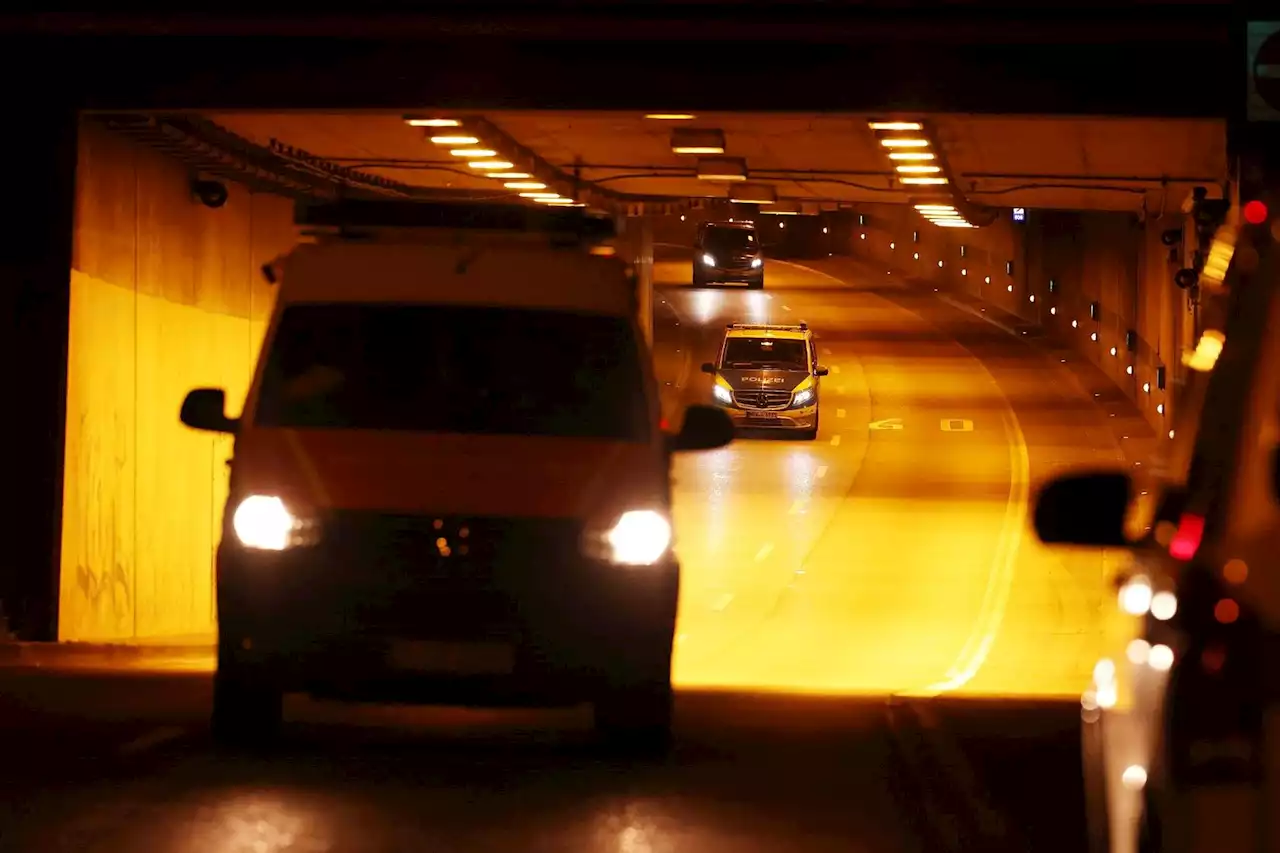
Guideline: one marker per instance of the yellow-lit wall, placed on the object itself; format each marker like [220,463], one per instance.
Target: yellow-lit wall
[166,295]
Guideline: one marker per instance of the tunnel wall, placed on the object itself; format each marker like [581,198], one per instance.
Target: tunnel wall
[1107,272]
[166,295]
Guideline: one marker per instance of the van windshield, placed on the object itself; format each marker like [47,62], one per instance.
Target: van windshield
[729,240]
[456,369]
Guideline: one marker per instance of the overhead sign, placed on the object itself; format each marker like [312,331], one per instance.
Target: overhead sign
[1263,49]
[1019,214]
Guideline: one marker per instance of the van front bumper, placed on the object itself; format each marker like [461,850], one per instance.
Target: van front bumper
[526,625]
[798,419]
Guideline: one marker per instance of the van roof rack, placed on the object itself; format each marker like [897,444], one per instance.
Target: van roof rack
[776,327]
[380,213]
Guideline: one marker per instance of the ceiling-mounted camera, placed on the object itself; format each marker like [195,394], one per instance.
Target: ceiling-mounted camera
[1186,278]
[210,193]
[1171,237]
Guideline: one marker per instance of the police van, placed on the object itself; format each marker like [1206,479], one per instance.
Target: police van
[450,482]
[767,377]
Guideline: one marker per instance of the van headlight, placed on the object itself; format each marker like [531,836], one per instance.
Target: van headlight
[264,523]
[723,394]
[801,398]
[709,260]
[639,537]
[756,263]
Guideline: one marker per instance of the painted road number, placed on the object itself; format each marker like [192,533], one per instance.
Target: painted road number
[956,425]
[887,423]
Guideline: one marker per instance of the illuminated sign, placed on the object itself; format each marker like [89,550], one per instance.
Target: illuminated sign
[1019,214]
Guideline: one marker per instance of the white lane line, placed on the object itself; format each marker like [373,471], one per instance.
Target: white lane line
[722,602]
[835,368]
[835,441]
[821,472]
[151,740]
[765,550]
[836,279]
[839,413]
[826,350]
[786,307]
[799,506]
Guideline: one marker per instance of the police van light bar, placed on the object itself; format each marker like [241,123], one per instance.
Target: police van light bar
[460,215]
[802,327]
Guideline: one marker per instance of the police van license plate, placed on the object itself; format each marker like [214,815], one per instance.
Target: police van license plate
[763,416]
[451,658]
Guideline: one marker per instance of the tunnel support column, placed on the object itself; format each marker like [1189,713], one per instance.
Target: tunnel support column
[637,233]
[35,302]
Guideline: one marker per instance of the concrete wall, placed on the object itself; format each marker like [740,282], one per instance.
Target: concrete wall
[1068,275]
[166,295]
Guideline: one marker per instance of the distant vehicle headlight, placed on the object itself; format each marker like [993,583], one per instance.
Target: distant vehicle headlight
[756,263]
[639,537]
[709,260]
[802,397]
[722,394]
[264,523]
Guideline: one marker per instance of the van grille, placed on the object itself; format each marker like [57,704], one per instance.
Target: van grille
[754,399]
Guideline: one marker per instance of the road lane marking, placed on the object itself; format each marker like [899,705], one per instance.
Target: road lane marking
[786,307]
[821,472]
[798,506]
[722,602]
[835,369]
[839,413]
[887,423]
[1000,579]
[835,441]
[814,271]
[764,551]
[826,350]
[151,740]
[956,425]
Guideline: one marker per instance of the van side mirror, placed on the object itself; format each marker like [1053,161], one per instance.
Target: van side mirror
[821,371]
[206,409]
[704,428]
[1084,509]
[708,367]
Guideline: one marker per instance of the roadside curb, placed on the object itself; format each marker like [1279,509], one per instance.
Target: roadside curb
[100,654]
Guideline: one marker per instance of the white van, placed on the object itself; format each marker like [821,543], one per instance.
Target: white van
[450,481]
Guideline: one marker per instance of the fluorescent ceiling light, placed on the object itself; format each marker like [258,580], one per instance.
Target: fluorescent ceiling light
[753,194]
[903,142]
[511,176]
[896,125]
[473,152]
[919,170]
[416,121]
[930,181]
[670,116]
[539,195]
[722,169]
[525,185]
[454,140]
[911,155]
[490,164]
[694,140]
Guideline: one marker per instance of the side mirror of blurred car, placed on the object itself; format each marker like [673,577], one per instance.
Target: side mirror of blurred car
[1084,509]
[704,428]
[821,371]
[708,367]
[206,409]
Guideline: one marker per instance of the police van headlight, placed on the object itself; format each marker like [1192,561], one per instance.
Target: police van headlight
[756,263]
[709,260]
[801,398]
[723,394]
[264,523]
[640,537]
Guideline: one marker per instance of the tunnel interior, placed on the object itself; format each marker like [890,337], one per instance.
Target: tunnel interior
[989,314]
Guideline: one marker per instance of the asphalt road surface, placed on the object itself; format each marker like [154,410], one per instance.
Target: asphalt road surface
[873,652]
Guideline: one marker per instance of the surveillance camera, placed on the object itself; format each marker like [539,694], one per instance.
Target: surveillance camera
[1186,278]
[210,193]
[1171,237]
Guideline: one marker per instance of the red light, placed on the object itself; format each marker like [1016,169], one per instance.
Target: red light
[1255,212]
[1187,540]
[1226,611]
[664,424]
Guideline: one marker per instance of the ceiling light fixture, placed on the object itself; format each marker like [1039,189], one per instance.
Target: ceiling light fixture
[473,152]
[753,194]
[919,170]
[896,125]
[919,181]
[510,176]
[722,169]
[489,165]
[670,116]
[904,142]
[455,140]
[694,140]
[525,185]
[418,121]
[911,155]
[539,195]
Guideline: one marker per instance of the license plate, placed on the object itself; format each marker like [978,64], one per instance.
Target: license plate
[451,658]
[763,416]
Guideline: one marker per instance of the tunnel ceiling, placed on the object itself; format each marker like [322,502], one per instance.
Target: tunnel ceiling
[1049,162]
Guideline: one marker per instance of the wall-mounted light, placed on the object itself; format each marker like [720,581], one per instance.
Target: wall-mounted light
[1053,286]
[1008,267]
[915,236]
[964,251]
